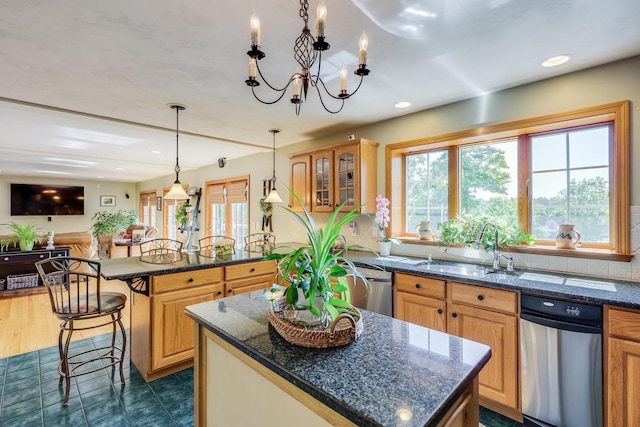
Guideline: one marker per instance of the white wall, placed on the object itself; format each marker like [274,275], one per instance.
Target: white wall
[63,223]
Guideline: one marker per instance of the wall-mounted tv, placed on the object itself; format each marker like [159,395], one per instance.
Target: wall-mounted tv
[30,199]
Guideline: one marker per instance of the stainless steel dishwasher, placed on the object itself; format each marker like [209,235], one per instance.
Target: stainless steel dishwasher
[378,297]
[561,363]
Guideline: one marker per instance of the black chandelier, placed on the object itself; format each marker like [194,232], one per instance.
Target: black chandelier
[306,50]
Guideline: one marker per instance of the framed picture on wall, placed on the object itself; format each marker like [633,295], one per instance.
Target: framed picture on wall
[159,203]
[107,200]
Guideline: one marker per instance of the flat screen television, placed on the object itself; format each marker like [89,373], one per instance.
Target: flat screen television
[48,200]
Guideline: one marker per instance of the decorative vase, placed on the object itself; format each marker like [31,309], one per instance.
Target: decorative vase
[567,237]
[385,248]
[305,316]
[424,231]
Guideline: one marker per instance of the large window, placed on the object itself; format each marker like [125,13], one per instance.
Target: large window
[537,173]
[227,209]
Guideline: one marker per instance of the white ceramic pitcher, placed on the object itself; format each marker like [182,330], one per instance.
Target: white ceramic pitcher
[567,237]
[424,231]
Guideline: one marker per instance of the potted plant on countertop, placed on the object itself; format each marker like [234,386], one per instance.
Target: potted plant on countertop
[317,296]
[382,222]
[25,236]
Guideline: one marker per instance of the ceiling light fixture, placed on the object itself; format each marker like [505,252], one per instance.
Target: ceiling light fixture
[306,50]
[402,104]
[273,196]
[177,191]
[556,60]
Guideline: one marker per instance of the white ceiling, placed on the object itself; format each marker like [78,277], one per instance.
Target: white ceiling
[108,69]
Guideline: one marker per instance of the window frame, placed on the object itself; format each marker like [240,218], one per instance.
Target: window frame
[148,199]
[616,113]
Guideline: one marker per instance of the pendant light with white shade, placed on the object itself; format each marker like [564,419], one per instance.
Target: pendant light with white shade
[273,196]
[177,191]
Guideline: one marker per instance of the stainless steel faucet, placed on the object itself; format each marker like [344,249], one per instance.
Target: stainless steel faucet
[496,247]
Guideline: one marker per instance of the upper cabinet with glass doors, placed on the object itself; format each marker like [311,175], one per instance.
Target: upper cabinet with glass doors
[342,173]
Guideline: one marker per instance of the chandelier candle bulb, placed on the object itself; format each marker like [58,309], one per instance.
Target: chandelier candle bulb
[343,79]
[296,87]
[252,68]
[322,15]
[255,30]
[364,44]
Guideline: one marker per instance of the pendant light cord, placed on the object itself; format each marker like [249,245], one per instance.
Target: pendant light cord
[274,132]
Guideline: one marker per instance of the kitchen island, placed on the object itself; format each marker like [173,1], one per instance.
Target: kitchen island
[163,285]
[395,374]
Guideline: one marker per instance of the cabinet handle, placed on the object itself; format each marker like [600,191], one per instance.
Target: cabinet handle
[6,258]
[439,311]
[190,279]
[454,314]
[417,285]
[230,291]
[252,270]
[41,256]
[219,293]
[480,297]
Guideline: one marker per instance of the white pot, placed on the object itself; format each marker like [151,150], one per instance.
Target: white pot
[385,248]
[305,316]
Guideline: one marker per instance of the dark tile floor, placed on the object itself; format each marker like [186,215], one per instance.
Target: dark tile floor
[30,396]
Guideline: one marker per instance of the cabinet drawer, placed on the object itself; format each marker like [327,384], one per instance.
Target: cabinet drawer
[248,285]
[624,323]
[185,279]
[249,269]
[479,296]
[424,286]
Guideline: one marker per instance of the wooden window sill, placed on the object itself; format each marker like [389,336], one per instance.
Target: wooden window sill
[589,253]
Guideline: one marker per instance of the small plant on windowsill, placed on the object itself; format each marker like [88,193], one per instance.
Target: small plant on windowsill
[464,231]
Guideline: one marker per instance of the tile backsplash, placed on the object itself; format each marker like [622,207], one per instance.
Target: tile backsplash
[585,267]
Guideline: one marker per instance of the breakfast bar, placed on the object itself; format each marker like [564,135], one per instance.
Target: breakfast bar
[395,374]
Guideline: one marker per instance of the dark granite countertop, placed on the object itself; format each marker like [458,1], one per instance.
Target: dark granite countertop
[147,265]
[393,365]
[543,283]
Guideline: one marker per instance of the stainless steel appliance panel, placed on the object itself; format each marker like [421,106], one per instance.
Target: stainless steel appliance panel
[378,298]
[561,367]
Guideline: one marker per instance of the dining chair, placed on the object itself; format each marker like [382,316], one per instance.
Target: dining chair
[161,246]
[211,240]
[260,242]
[73,285]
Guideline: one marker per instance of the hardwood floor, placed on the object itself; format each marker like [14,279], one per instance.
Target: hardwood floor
[27,323]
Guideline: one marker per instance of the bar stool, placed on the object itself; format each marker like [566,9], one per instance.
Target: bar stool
[73,285]
[161,246]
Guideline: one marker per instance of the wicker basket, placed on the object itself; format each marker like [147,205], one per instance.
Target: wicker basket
[344,330]
[19,281]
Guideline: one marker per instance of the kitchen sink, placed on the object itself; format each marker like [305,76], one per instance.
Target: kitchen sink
[461,270]
[502,275]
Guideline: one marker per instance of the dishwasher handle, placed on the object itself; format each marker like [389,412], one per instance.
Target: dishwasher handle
[559,324]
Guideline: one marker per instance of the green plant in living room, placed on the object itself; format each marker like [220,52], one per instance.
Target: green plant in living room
[25,236]
[182,214]
[108,223]
[319,271]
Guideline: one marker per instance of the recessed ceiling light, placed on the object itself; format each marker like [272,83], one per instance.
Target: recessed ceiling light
[100,176]
[156,152]
[118,169]
[402,104]
[555,60]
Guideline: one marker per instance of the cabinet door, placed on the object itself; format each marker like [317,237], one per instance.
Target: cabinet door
[499,378]
[423,311]
[346,184]
[322,181]
[623,384]
[300,182]
[172,336]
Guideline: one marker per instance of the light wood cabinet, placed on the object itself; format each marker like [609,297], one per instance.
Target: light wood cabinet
[248,277]
[162,332]
[622,369]
[485,315]
[300,181]
[341,173]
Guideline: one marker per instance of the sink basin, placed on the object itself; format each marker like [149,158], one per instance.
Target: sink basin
[502,275]
[461,270]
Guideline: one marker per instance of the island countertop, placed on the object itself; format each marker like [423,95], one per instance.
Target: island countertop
[393,366]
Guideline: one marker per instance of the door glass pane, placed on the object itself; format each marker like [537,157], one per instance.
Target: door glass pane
[427,189]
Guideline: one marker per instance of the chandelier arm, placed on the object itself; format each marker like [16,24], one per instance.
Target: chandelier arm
[284,88]
[322,100]
[282,92]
